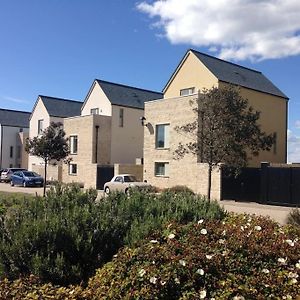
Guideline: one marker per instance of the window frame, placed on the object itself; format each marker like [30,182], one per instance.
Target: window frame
[166,139]
[40,128]
[94,111]
[166,169]
[71,171]
[72,138]
[190,91]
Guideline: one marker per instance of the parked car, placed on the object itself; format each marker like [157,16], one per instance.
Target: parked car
[7,173]
[123,183]
[26,178]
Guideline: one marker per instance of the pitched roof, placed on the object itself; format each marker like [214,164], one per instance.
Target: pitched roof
[239,75]
[63,108]
[124,95]
[14,118]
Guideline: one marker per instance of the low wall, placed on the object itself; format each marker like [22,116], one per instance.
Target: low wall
[53,172]
[136,170]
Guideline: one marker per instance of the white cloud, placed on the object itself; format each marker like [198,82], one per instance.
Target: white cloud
[235,29]
[293,147]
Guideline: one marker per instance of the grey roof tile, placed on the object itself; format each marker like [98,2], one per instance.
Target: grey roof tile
[124,95]
[14,118]
[58,107]
[239,75]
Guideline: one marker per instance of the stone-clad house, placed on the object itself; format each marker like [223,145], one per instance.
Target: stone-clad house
[108,131]
[14,128]
[195,72]
[46,110]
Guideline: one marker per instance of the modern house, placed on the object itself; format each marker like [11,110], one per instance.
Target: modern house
[195,72]
[14,128]
[108,131]
[46,110]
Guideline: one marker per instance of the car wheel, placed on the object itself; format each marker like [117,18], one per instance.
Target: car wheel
[24,184]
[107,190]
[11,183]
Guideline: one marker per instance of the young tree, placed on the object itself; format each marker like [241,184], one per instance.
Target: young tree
[225,130]
[51,146]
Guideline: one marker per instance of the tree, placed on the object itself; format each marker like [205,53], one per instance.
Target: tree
[51,146]
[225,130]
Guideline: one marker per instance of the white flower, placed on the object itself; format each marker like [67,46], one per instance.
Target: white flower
[182,262]
[258,228]
[202,294]
[297,265]
[292,275]
[238,298]
[177,280]
[153,280]
[290,242]
[142,272]
[200,272]
[221,241]
[294,280]
[242,228]
[163,283]
[203,231]
[266,271]
[250,219]
[200,221]
[224,232]
[209,256]
[154,241]
[153,262]
[171,236]
[116,255]
[282,260]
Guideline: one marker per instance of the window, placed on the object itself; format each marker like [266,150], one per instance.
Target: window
[162,136]
[188,91]
[95,111]
[21,130]
[275,143]
[40,126]
[73,169]
[11,152]
[161,169]
[119,179]
[19,152]
[10,165]
[73,144]
[121,117]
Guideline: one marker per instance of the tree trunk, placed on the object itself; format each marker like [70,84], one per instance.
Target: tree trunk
[45,179]
[209,182]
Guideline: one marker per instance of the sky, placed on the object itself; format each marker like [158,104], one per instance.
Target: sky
[58,47]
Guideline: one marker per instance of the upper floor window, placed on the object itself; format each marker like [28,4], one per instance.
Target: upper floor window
[40,126]
[11,152]
[188,91]
[121,117]
[73,144]
[162,136]
[95,111]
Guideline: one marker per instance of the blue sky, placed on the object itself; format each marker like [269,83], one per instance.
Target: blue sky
[57,47]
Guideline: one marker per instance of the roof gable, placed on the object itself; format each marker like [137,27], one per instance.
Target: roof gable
[238,75]
[14,118]
[124,95]
[59,107]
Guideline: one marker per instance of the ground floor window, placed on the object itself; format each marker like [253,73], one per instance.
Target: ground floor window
[161,169]
[73,169]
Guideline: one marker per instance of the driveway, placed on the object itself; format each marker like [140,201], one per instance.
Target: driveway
[6,187]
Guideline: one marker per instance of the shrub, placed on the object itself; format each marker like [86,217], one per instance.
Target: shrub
[294,217]
[180,189]
[244,257]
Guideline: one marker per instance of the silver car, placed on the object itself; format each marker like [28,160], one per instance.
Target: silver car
[7,173]
[123,183]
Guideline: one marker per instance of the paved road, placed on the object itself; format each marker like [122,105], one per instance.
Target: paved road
[6,187]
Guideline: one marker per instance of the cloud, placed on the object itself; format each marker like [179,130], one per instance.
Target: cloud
[14,100]
[233,29]
[293,147]
[297,124]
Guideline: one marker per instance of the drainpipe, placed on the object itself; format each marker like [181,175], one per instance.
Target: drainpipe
[96,146]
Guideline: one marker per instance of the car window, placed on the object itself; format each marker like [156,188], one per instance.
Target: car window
[18,173]
[29,174]
[118,179]
[129,179]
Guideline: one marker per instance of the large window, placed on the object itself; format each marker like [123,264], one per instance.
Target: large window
[188,91]
[72,169]
[40,126]
[73,144]
[161,169]
[162,136]
[95,111]
[121,117]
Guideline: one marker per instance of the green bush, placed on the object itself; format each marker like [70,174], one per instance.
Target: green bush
[180,189]
[243,257]
[294,217]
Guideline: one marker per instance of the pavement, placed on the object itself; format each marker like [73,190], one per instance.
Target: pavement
[6,187]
